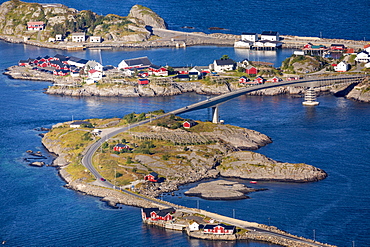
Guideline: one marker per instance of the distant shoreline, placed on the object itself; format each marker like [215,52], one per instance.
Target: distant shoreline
[179,39]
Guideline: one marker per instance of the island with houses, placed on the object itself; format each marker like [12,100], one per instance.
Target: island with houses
[60,27]
[168,152]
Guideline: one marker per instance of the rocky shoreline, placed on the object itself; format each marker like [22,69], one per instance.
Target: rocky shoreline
[221,190]
[170,88]
[234,163]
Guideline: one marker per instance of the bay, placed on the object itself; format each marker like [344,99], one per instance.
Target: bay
[36,210]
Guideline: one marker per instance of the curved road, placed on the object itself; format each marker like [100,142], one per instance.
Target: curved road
[87,158]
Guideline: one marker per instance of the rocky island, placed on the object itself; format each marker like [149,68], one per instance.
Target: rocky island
[176,155]
[221,190]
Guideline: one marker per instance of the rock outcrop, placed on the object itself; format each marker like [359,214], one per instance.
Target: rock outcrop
[220,190]
[361,92]
[148,16]
[255,166]
[59,19]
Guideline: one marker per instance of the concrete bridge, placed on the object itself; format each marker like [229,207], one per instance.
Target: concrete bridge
[310,82]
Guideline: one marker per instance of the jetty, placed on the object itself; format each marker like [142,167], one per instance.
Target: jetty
[201,224]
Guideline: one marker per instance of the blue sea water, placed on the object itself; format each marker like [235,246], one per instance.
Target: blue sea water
[36,210]
[328,19]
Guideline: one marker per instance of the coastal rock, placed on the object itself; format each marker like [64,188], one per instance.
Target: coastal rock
[220,190]
[148,16]
[37,163]
[255,166]
[361,92]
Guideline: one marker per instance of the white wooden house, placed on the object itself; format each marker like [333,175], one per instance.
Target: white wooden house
[95,39]
[140,62]
[91,64]
[363,57]
[194,226]
[95,74]
[341,67]
[222,65]
[249,37]
[78,37]
[270,35]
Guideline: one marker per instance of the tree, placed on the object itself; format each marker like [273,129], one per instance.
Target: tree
[225,57]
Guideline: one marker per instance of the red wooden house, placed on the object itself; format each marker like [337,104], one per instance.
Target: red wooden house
[243,79]
[337,47]
[152,177]
[250,70]
[23,62]
[188,124]
[43,64]
[35,25]
[292,78]
[143,81]
[154,214]
[259,80]
[219,229]
[60,72]
[275,79]
[119,147]
[157,70]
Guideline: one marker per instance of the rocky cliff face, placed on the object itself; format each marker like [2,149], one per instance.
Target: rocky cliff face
[60,19]
[361,92]
[148,16]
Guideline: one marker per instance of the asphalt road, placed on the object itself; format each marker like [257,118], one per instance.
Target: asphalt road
[87,158]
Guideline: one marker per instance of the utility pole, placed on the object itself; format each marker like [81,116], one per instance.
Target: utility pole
[115,176]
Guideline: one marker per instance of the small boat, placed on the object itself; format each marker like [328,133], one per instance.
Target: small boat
[253,182]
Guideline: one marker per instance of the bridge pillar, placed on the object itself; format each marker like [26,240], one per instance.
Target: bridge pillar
[215,116]
[310,98]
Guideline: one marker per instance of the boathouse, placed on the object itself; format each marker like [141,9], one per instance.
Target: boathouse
[219,229]
[156,214]
[249,37]
[270,35]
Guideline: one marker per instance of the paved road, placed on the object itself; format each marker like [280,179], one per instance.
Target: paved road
[87,158]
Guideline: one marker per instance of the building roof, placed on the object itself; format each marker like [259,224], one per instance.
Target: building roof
[154,174]
[269,33]
[78,34]
[57,62]
[222,225]
[225,62]
[78,60]
[35,23]
[140,61]
[61,57]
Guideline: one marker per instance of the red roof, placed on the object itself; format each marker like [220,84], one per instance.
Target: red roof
[92,71]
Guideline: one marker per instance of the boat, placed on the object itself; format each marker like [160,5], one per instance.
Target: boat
[253,182]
